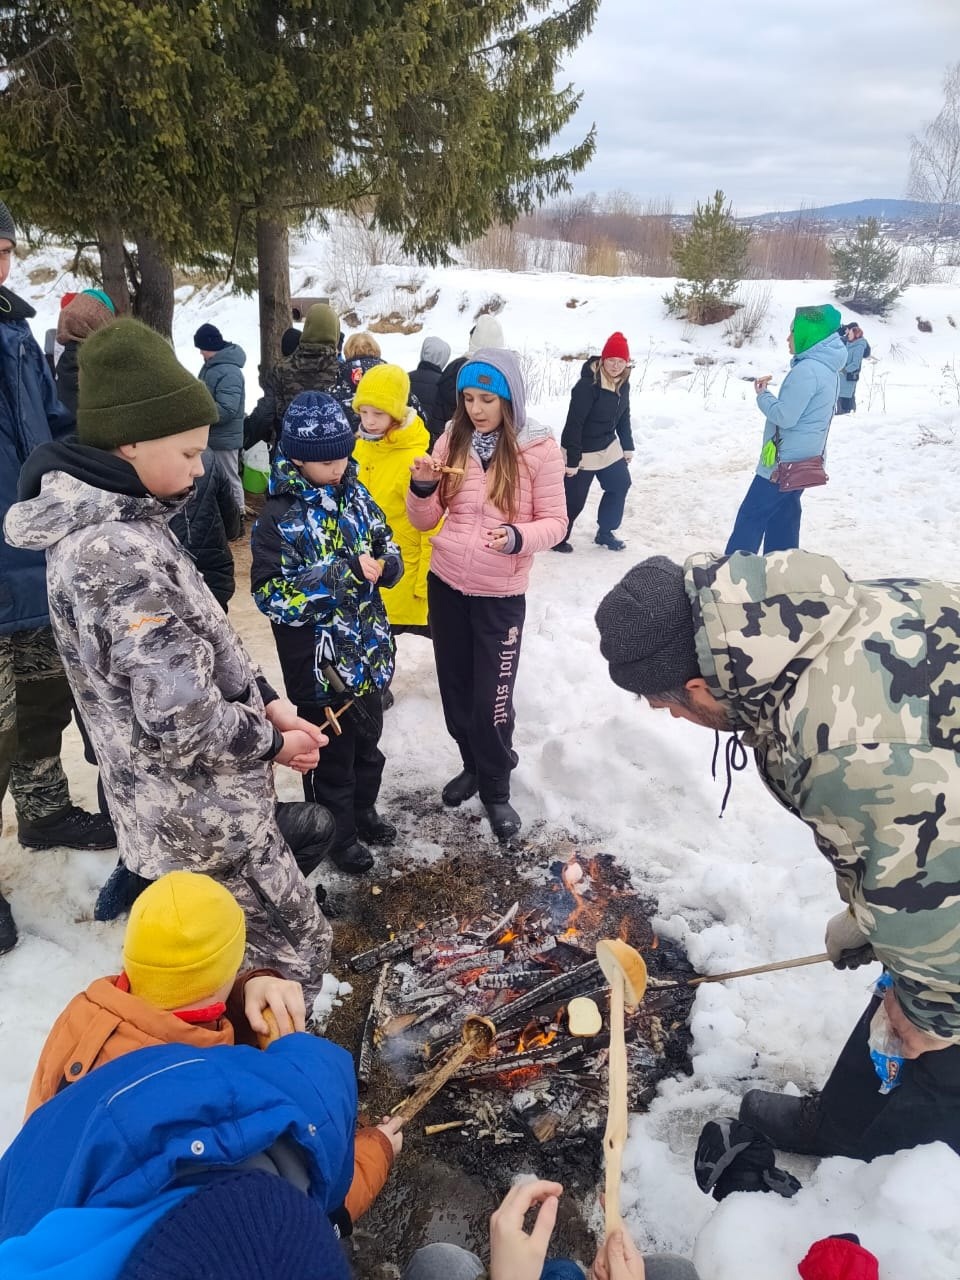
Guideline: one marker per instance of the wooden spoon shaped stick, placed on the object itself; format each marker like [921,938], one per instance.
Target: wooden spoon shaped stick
[478,1036]
[624,969]
[333,717]
[273,1030]
[821,958]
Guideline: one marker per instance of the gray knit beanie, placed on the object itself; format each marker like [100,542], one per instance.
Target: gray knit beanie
[646,629]
[8,228]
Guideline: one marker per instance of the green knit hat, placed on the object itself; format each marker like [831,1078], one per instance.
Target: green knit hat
[322,326]
[133,388]
[812,324]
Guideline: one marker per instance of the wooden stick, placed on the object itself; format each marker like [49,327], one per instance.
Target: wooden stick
[365,1058]
[615,1135]
[273,1030]
[743,973]
[430,1129]
[478,1035]
[452,471]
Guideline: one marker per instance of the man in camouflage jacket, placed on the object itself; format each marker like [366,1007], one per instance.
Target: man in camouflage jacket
[184,725]
[849,694]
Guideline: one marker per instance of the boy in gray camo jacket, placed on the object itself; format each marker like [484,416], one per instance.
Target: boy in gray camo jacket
[184,725]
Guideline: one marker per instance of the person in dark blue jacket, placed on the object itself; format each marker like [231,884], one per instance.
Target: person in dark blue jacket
[35,701]
[796,429]
[96,1170]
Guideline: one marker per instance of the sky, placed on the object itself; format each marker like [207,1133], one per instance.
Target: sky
[781,105]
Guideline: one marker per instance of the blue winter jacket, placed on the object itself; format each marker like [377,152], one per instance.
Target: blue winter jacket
[97,1165]
[801,413]
[857,350]
[30,414]
[222,375]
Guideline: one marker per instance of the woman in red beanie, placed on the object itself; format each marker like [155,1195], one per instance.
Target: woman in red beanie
[597,441]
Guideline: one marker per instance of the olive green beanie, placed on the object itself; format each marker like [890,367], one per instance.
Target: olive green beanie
[321,326]
[133,388]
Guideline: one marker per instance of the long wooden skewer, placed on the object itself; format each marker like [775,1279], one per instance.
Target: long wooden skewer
[742,973]
[478,1036]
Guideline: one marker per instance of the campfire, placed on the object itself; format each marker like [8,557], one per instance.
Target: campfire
[540,1072]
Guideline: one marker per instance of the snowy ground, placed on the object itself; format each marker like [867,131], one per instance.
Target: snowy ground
[744,890]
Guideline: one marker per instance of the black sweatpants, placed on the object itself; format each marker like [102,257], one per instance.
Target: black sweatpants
[476,643]
[857,1120]
[347,779]
[614,481]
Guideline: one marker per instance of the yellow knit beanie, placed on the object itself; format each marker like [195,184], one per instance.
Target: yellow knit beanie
[385,387]
[185,940]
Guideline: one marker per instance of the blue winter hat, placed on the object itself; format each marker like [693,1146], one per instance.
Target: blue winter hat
[315,429]
[483,376]
[240,1226]
[209,338]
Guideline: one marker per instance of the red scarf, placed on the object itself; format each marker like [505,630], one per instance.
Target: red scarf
[195,1017]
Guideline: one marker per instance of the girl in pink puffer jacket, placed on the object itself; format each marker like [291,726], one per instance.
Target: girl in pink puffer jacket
[503,500]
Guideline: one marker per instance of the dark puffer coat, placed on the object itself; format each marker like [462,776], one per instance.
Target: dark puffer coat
[596,416]
[206,525]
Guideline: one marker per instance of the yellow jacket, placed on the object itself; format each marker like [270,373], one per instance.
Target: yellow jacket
[384,467]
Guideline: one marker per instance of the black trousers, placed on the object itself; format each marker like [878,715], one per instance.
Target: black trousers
[857,1120]
[614,481]
[476,643]
[846,404]
[347,779]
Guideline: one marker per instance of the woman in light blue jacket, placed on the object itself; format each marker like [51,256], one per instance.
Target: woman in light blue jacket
[858,349]
[797,423]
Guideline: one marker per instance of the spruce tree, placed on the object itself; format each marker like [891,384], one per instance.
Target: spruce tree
[865,264]
[711,259]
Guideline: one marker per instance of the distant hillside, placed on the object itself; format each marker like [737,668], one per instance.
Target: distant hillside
[854,210]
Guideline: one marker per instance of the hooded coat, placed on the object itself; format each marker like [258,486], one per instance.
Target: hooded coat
[205,526]
[487,332]
[460,558]
[222,375]
[96,1166]
[383,467]
[857,351]
[847,691]
[599,414]
[800,415]
[425,384]
[307,580]
[172,701]
[30,415]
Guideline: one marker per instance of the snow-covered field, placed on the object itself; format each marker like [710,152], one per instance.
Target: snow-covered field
[741,891]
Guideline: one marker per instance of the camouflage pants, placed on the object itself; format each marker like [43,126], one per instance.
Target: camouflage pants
[286,929]
[35,708]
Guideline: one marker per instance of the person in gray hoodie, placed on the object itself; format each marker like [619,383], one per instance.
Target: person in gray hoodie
[222,375]
[796,428]
[425,384]
[487,332]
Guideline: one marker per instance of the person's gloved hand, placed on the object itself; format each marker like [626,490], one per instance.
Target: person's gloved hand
[847,945]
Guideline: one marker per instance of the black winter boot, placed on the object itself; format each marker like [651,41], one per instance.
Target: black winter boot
[72,828]
[609,541]
[504,820]
[119,893]
[370,826]
[460,788]
[8,930]
[353,858]
[309,830]
[788,1123]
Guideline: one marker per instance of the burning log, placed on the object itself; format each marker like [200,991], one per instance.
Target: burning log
[502,925]
[403,942]
[508,980]
[556,988]
[531,950]
[367,1045]
[531,1058]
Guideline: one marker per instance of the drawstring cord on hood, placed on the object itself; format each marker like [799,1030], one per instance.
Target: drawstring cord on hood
[736,760]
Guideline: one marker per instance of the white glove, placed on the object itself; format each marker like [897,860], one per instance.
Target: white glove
[847,944]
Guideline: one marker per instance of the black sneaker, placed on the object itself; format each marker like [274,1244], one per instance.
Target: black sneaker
[459,789]
[8,929]
[119,894]
[563,547]
[610,542]
[370,826]
[353,858]
[72,828]
[788,1123]
[504,820]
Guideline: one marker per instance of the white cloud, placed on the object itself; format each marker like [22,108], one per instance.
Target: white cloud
[779,107]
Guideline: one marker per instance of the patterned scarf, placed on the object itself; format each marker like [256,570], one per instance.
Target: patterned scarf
[485,445]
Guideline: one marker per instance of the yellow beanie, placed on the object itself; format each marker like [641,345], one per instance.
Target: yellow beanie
[185,940]
[385,387]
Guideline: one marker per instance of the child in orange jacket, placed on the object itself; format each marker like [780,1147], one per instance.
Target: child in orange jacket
[181,984]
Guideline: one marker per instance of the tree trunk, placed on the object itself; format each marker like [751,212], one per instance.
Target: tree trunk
[154,302]
[113,267]
[273,279]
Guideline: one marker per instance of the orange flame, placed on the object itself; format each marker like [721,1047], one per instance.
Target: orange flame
[536,1036]
[655,943]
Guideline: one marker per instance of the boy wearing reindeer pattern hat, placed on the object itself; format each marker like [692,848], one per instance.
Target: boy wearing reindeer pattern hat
[183,723]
